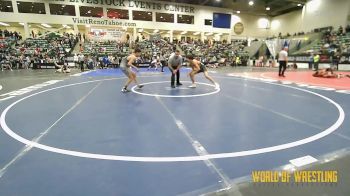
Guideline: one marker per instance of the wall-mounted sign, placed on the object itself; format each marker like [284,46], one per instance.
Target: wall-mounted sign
[108,34]
[136,4]
[238,28]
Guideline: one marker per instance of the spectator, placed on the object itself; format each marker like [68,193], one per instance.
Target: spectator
[105,61]
[76,60]
[311,61]
[280,35]
[347,29]
[316,61]
[340,30]
[81,62]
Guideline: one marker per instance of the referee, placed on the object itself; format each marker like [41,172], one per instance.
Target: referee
[175,64]
[283,60]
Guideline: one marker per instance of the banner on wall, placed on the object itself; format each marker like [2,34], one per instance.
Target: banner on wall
[277,45]
[108,34]
[271,46]
[180,8]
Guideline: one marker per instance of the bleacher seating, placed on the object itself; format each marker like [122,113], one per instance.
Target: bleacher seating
[327,45]
[7,44]
[52,44]
[105,47]
[223,50]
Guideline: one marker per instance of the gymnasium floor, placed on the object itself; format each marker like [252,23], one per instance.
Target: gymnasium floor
[79,135]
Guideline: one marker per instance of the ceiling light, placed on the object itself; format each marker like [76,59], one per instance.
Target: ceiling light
[21,23]
[299,5]
[46,25]
[4,24]
[251,3]
[268,8]
[218,0]
[238,12]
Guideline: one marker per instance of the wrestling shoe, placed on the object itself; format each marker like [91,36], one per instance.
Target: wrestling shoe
[217,86]
[125,90]
[193,86]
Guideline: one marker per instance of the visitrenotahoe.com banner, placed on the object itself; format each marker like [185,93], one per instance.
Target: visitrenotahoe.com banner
[103,22]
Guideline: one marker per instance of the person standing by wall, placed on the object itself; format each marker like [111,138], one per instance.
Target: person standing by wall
[337,60]
[81,62]
[316,61]
[76,60]
[162,61]
[283,60]
[311,61]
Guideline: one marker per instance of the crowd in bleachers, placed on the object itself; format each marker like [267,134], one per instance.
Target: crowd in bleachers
[106,54]
[216,53]
[50,48]
[100,48]
[42,48]
[287,35]
[154,50]
[55,48]
[329,30]
[9,34]
[333,43]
